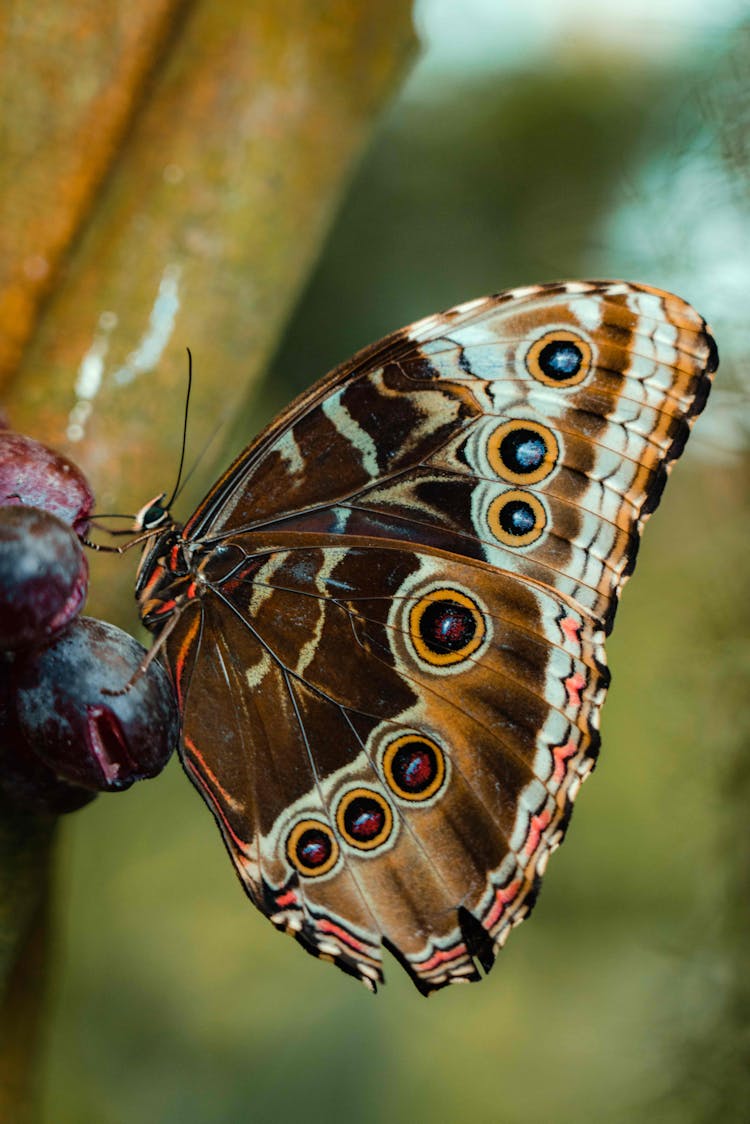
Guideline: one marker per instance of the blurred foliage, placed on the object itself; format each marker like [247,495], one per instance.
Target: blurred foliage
[626,994]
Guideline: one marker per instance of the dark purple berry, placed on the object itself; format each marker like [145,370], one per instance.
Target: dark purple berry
[88,710]
[43,576]
[35,476]
[24,779]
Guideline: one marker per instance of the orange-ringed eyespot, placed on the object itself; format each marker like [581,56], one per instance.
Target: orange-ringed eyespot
[446,627]
[523,452]
[312,848]
[559,358]
[364,818]
[414,767]
[516,518]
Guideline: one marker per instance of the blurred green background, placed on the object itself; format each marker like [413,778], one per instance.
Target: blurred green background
[530,143]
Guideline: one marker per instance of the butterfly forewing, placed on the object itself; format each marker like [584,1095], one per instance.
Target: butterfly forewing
[388,643]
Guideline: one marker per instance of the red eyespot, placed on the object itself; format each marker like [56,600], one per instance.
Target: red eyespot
[414,767]
[312,848]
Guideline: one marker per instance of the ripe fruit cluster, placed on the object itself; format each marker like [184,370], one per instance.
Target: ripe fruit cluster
[79,712]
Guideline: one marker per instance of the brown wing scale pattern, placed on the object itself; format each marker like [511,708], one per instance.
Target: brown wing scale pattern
[386,620]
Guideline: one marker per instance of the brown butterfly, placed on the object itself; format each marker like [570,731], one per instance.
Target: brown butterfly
[385,622]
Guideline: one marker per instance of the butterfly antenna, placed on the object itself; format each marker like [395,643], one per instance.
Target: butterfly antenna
[176,488]
[200,456]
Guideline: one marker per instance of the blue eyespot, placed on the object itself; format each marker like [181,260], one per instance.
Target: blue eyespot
[523,451]
[517,518]
[560,359]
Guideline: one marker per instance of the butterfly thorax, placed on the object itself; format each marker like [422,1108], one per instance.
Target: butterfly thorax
[164,574]
[176,570]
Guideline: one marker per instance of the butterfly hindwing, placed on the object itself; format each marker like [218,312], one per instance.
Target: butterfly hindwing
[386,620]
[456,776]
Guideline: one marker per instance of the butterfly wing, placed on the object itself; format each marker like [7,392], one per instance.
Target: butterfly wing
[368,790]
[433,409]
[390,662]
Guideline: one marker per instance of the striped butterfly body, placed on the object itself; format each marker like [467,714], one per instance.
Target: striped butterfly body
[385,623]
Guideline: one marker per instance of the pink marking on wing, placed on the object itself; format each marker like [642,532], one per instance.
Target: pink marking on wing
[347,938]
[572,629]
[502,898]
[289,898]
[538,825]
[561,754]
[442,956]
[573,685]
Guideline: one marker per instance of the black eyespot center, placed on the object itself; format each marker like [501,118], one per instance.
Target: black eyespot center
[560,359]
[311,848]
[414,767]
[314,847]
[447,626]
[364,819]
[517,517]
[522,451]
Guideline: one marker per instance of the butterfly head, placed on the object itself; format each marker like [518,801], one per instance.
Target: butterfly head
[153,515]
